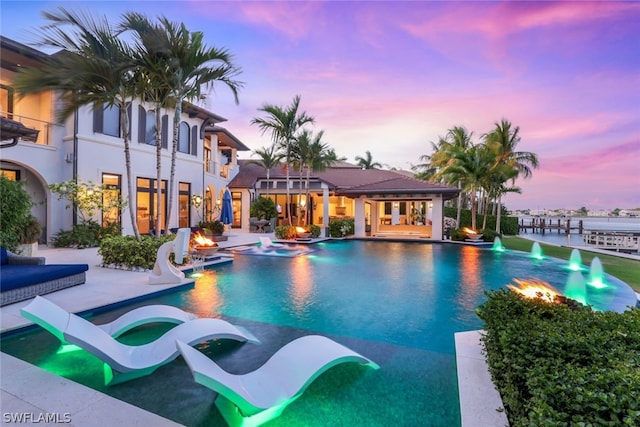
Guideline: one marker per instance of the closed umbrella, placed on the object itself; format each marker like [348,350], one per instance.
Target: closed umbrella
[226,214]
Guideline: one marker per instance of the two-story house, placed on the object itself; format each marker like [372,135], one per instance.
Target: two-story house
[88,147]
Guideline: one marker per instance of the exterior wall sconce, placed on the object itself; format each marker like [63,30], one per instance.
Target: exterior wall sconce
[196,201]
[396,204]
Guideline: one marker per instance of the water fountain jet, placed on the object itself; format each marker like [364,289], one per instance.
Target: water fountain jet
[497,245]
[575,260]
[576,287]
[536,251]
[596,274]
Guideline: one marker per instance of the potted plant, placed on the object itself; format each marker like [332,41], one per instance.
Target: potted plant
[263,208]
[214,230]
[30,235]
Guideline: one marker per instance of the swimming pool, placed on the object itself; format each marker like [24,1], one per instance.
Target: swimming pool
[397,303]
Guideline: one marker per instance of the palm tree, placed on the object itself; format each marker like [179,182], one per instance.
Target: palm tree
[456,141]
[313,155]
[284,124]
[268,158]
[94,68]
[470,167]
[367,162]
[505,140]
[186,65]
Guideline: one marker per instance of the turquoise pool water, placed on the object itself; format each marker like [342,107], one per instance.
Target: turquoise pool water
[397,303]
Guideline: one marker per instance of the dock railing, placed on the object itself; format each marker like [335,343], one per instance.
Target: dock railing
[621,241]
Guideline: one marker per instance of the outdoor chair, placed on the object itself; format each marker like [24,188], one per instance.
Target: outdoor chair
[259,396]
[125,362]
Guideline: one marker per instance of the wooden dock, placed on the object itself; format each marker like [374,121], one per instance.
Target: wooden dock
[543,225]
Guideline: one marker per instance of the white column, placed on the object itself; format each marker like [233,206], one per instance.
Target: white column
[325,212]
[438,218]
[360,221]
[395,213]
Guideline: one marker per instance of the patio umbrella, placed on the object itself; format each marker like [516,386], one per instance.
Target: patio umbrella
[226,214]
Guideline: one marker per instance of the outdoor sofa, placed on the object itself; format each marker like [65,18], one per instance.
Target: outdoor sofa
[23,277]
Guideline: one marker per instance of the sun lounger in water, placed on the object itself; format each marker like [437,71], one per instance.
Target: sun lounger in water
[125,362]
[267,244]
[54,318]
[261,395]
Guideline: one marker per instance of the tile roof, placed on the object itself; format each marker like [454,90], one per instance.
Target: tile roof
[348,179]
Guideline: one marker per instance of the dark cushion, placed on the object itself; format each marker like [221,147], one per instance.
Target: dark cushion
[18,276]
[4,257]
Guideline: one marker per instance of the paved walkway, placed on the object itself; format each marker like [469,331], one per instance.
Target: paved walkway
[30,395]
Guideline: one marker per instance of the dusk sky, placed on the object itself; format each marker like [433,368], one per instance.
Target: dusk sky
[391,77]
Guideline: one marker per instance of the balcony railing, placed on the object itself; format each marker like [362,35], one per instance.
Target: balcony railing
[43,128]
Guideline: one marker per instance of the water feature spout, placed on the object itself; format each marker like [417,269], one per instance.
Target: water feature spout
[497,245]
[596,274]
[536,251]
[575,260]
[576,287]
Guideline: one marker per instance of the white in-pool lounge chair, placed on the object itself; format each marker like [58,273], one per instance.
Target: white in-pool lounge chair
[54,318]
[125,362]
[266,243]
[261,395]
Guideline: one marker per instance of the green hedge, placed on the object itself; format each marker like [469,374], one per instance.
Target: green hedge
[508,224]
[562,364]
[288,232]
[342,228]
[127,252]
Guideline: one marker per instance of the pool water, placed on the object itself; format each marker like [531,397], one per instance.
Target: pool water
[397,303]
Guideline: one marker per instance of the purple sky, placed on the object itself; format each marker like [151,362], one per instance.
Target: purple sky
[391,77]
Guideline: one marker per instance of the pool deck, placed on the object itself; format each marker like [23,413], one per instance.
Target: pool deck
[30,392]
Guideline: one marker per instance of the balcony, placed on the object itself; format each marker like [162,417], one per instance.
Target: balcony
[25,129]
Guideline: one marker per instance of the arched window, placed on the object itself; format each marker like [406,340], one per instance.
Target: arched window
[183,138]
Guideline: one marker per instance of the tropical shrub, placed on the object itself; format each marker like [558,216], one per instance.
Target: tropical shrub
[314,230]
[558,364]
[130,253]
[342,227]
[15,213]
[508,224]
[87,234]
[212,227]
[263,208]
[488,234]
[285,232]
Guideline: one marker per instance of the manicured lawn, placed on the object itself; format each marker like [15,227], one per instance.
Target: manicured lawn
[627,270]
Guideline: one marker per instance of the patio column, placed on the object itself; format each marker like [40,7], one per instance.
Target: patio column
[325,212]
[360,219]
[438,217]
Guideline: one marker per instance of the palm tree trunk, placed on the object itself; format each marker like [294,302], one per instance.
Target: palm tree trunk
[459,205]
[288,207]
[124,119]
[473,209]
[172,173]
[499,204]
[158,170]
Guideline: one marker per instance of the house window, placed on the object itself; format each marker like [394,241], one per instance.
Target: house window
[13,175]
[106,119]
[208,164]
[236,203]
[183,138]
[110,197]
[184,204]
[6,101]
[146,206]
[146,126]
